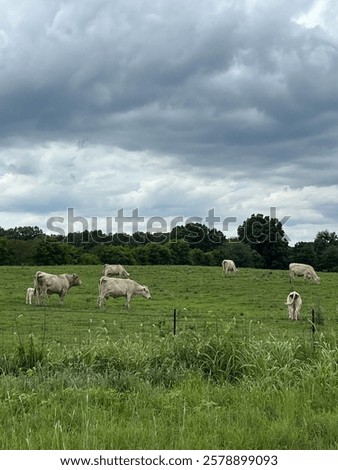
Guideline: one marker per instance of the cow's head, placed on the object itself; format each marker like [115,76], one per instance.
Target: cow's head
[76,281]
[145,292]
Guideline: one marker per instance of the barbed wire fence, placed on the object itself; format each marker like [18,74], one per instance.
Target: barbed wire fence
[74,332]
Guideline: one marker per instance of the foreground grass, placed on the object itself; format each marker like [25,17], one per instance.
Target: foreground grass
[184,392]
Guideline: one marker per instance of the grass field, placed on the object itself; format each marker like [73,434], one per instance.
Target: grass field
[238,374]
[202,297]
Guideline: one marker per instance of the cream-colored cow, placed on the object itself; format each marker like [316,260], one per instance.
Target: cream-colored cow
[228,266]
[294,303]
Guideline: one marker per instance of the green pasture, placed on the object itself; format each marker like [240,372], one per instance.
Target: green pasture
[252,301]
[238,374]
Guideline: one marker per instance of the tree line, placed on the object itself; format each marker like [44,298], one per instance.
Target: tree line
[261,243]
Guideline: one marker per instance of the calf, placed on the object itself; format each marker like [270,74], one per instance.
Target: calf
[30,294]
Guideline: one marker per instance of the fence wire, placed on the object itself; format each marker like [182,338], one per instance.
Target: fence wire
[75,330]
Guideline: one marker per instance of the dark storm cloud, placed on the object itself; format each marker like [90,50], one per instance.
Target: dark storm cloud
[182,79]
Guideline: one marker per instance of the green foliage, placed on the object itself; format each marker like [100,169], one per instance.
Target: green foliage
[266,236]
[180,251]
[112,254]
[328,259]
[6,253]
[23,233]
[198,236]
[242,254]
[261,244]
[323,240]
[304,252]
[50,251]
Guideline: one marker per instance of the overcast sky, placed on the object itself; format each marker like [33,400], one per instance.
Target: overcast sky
[172,107]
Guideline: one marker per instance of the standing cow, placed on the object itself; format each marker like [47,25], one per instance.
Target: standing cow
[114,270]
[294,304]
[113,287]
[228,266]
[47,284]
[305,270]
[30,294]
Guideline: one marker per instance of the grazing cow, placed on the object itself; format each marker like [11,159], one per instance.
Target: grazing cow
[30,294]
[48,284]
[228,266]
[114,270]
[294,303]
[305,270]
[113,287]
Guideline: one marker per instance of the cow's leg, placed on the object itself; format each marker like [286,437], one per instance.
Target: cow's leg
[289,311]
[101,301]
[41,295]
[294,313]
[128,296]
[62,295]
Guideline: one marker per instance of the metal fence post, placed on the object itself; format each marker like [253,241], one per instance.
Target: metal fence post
[313,321]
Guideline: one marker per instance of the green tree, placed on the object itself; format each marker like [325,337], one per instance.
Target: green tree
[158,254]
[24,233]
[303,252]
[112,254]
[23,251]
[180,252]
[323,240]
[241,253]
[199,257]
[51,252]
[198,236]
[89,259]
[266,236]
[6,253]
[328,259]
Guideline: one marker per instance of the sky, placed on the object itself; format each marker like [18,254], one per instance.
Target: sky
[132,115]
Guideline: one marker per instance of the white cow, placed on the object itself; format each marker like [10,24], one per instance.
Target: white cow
[48,284]
[30,294]
[294,303]
[228,266]
[113,287]
[305,270]
[114,270]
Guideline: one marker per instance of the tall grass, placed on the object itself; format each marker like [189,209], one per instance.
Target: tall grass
[191,391]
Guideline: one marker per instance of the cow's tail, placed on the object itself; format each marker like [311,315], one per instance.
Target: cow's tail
[38,279]
[102,280]
[292,298]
